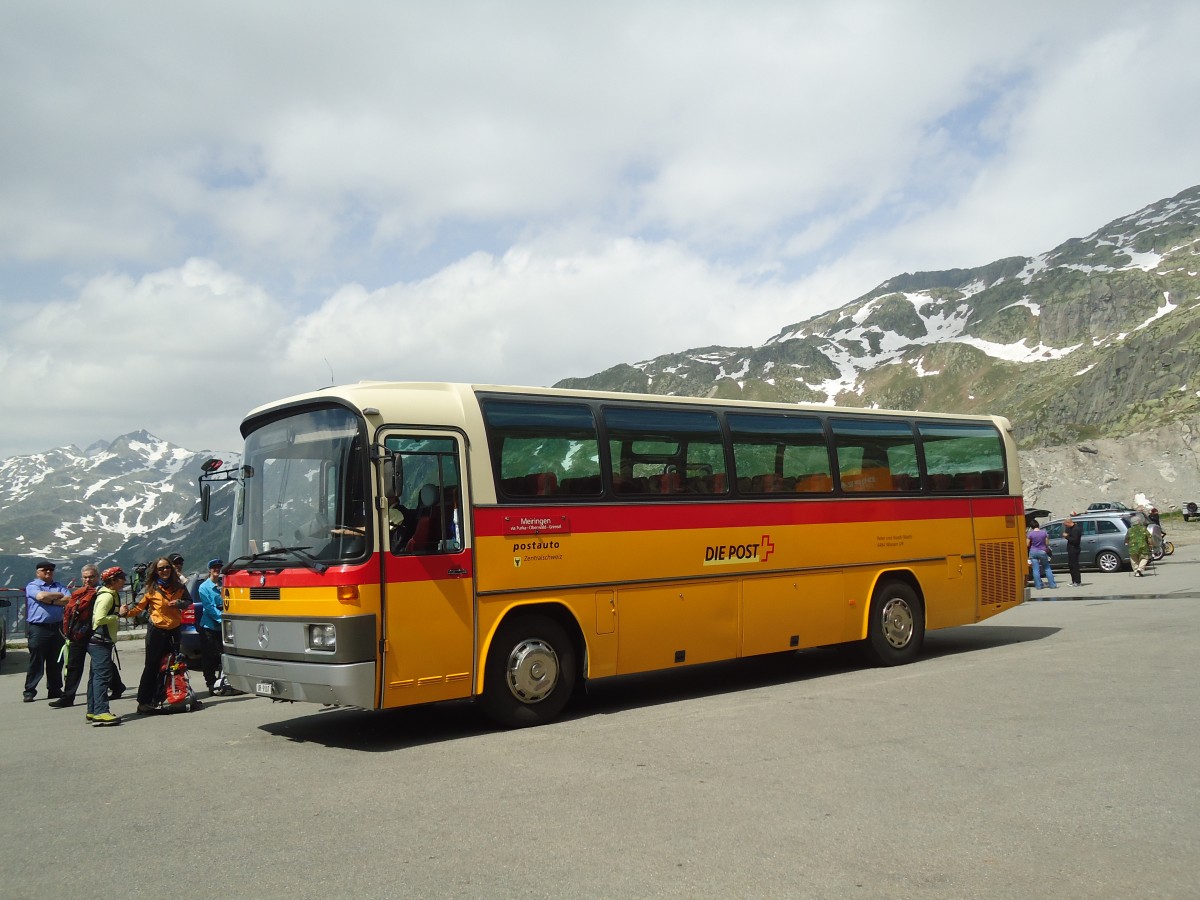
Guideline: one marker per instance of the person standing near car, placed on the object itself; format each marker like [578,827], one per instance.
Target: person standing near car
[44,602]
[101,647]
[1039,556]
[166,597]
[210,622]
[1137,538]
[1073,532]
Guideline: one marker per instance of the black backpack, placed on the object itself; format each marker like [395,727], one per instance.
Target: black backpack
[77,616]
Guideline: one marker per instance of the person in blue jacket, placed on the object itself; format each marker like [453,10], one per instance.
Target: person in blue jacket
[210,622]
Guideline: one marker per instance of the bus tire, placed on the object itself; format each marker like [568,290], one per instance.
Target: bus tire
[530,672]
[896,626]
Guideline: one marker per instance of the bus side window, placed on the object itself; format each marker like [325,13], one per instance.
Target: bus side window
[775,454]
[867,449]
[963,457]
[542,448]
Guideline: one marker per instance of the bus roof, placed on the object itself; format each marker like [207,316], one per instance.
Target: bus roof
[441,401]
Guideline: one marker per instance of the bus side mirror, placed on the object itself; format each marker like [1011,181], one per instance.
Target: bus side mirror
[393,475]
[205,502]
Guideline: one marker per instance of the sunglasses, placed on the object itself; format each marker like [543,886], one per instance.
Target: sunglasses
[166,568]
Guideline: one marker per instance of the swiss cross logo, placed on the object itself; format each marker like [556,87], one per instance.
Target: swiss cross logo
[766,548]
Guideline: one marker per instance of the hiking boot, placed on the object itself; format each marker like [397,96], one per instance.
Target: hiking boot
[106,719]
[28,698]
[146,708]
[62,702]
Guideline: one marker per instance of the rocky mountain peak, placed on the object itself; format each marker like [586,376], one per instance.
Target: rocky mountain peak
[1092,338]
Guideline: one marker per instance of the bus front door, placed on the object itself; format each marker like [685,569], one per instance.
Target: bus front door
[429,625]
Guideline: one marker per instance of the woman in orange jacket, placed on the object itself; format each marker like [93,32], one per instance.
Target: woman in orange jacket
[167,597]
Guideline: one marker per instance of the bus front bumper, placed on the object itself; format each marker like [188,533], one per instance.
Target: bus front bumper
[346,684]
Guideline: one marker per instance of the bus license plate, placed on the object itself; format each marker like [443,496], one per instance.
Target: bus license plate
[263,687]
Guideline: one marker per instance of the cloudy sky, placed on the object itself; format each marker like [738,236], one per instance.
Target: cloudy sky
[205,207]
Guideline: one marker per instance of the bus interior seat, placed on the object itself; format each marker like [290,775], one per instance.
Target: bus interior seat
[708,484]
[993,479]
[535,484]
[666,483]
[581,486]
[426,533]
[768,483]
[971,481]
[816,483]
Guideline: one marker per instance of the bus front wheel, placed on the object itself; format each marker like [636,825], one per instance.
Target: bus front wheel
[530,672]
[896,627]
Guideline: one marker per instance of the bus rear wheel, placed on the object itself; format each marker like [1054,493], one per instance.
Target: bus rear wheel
[530,672]
[896,627]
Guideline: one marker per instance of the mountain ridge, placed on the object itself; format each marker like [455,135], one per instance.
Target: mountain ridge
[1114,315]
[116,502]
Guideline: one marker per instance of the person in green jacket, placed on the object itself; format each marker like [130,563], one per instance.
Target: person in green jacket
[1138,539]
[100,648]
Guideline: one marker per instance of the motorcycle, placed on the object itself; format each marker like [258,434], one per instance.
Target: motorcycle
[1159,545]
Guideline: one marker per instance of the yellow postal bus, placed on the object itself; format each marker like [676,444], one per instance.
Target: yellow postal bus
[396,544]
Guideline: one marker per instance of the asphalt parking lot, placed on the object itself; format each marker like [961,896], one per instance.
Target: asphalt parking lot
[1048,752]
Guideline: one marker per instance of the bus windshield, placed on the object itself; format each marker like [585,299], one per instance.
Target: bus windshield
[306,497]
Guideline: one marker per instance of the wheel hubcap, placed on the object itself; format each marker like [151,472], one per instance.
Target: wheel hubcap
[532,670]
[897,623]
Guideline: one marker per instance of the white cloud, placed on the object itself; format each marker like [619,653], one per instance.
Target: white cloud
[521,194]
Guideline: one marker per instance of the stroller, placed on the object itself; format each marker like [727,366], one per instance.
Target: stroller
[175,692]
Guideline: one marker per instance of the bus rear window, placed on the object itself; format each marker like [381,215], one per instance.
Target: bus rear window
[963,457]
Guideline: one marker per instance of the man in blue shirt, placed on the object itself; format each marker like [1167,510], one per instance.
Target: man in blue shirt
[44,602]
[209,597]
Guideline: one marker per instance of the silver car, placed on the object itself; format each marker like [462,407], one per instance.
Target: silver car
[1102,546]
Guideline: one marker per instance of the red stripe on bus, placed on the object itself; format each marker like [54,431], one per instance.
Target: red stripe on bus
[497,521]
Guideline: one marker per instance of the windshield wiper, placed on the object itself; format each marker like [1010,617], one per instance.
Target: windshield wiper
[299,553]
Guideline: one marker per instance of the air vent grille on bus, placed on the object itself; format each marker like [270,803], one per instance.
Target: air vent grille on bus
[264,593]
[997,572]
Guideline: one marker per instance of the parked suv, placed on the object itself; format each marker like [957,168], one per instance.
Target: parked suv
[1103,543]
[1190,511]
[1109,506]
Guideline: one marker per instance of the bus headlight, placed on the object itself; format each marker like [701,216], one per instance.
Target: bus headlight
[226,632]
[322,637]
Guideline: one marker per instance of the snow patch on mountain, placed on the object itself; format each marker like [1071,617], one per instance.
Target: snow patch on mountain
[68,503]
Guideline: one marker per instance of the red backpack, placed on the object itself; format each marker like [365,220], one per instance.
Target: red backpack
[77,616]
